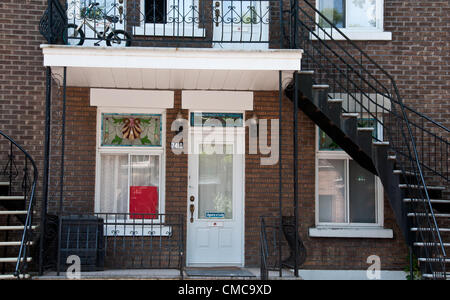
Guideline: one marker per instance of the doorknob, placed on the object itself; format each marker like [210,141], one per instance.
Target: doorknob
[217,13]
[192,209]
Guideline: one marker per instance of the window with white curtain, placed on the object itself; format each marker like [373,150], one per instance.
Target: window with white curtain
[353,17]
[347,194]
[130,179]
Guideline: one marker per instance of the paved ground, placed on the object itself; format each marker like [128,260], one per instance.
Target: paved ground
[162,274]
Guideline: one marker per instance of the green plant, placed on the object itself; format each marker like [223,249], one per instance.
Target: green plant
[416,270]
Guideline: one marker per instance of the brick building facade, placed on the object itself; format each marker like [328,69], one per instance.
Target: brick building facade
[417,57]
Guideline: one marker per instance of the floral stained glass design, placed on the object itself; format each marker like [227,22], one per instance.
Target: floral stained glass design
[131,130]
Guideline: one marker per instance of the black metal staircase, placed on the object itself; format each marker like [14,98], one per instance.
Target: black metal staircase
[17,190]
[341,85]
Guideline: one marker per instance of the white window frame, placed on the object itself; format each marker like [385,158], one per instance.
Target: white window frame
[357,34]
[168,29]
[348,230]
[143,226]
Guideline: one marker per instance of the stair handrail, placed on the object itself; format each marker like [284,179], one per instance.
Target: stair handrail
[28,226]
[394,97]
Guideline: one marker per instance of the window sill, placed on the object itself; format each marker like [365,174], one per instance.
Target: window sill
[358,232]
[354,35]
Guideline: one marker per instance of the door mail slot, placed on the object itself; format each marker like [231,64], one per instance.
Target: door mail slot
[216,224]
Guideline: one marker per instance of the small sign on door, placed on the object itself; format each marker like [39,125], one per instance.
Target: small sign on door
[215,215]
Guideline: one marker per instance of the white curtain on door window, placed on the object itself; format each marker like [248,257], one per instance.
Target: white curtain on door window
[215,188]
[114,183]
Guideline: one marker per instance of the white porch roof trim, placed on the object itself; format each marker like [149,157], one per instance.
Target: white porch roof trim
[132,98]
[217,100]
[172,68]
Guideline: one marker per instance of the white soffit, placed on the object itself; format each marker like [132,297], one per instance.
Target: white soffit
[172,68]
[217,100]
[132,98]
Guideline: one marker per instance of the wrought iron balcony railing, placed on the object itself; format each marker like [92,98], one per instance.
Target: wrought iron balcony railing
[176,23]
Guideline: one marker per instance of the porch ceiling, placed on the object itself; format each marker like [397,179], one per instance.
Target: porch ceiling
[171,68]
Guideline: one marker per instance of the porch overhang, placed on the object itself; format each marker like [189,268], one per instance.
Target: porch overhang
[172,68]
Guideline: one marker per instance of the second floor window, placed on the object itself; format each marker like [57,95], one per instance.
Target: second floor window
[352,14]
[156,11]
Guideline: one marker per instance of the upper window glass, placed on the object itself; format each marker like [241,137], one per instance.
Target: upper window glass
[350,13]
[131,130]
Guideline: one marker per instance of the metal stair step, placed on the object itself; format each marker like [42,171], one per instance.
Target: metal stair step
[432,200]
[430,276]
[430,229]
[421,244]
[12,198]
[437,215]
[8,244]
[4,183]
[335,100]
[13,259]
[350,115]
[13,212]
[365,129]
[414,186]
[320,86]
[381,143]
[6,228]
[306,72]
[403,172]
[446,260]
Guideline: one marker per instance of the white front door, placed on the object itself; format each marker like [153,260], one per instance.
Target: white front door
[241,24]
[215,205]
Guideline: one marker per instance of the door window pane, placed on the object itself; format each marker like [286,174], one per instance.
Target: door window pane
[333,10]
[362,194]
[332,203]
[114,183]
[215,186]
[144,186]
[362,13]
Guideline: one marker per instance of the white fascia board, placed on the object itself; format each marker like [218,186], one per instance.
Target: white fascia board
[217,100]
[171,58]
[132,98]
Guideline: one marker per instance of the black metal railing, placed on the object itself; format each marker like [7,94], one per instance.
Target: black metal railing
[19,164]
[271,246]
[419,144]
[111,241]
[181,23]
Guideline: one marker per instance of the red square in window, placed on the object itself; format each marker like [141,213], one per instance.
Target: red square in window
[143,200]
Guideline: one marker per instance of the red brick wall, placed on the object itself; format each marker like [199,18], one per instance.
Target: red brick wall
[261,185]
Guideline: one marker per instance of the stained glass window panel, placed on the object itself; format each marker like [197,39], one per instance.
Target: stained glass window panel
[131,130]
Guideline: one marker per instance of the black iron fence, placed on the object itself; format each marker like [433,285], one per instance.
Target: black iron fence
[184,23]
[112,241]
